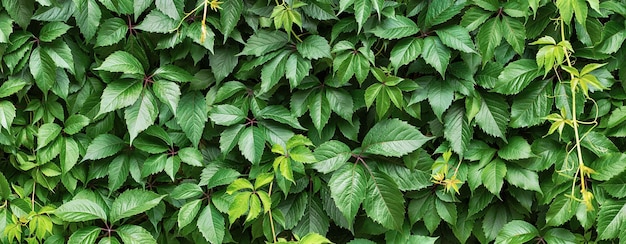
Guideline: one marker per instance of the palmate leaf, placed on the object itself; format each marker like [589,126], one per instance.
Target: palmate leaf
[384,202]
[611,218]
[132,202]
[393,138]
[192,116]
[493,116]
[348,188]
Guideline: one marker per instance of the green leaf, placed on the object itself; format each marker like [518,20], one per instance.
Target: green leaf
[103,146]
[119,94]
[229,16]
[561,210]
[241,206]
[516,76]
[282,115]
[85,235]
[220,177]
[6,27]
[157,22]
[69,155]
[112,31]
[172,73]
[188,212]
[384,202]
[488,38]
[442,11]
[43,69]
[517,231]
[226,114]
[492,176]
[493,116]
[314,47]
[440,96]
[133,234]
[314,220]
[211,224]
[53,30]
[133,202]
[11,86]
[170,7]
[273,71]
[516,148]
[516,33]
[191,156]
[331,155]
[252,144]
[296,69]
[341,103]
[447,211]
[405,51]
[5,190]
[141,115]
[611,218]
[185,191]
[362,12]
[7,114]
[167,92]
[20,11]
[559,235]
[348,188]
[75,123]
[118,171]
[393,138]
[192,116]
[223,61]
[47,133]
[395,28]
[617,117]
[319,109]
[263,42]
[531,106]
[436,54]
[87,15]
[80,210]
[616,187]
[407,179]
[293,209]
[122,61]
[457,129]
[523,178]
[608,166]
[456,37]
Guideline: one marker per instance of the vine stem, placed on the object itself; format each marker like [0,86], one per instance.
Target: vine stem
[271,218]
[579,153]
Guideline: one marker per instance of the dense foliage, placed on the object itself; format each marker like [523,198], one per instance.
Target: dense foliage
[361,121]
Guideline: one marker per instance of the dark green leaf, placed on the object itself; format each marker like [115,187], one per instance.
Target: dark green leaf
[608,166]
[561,210]
[157,22]
[489,37]
[133,234]
[192,116]
[384,202]
[252,143]
[348,188]
[456,37]
[395,28]
[112,31]
[314,47]
[141,115]
[516,76]
[53,30]
[263,42]
[80,210]
[405,51]
[393,138]
[436,54]
[226,114]
[103,146]
[43,69]
[87,15]
[493,176]
[442,11]
[517,231]
[611,218]
[493,116]
[118,172]
[133,202]
[122,61]
[457,129]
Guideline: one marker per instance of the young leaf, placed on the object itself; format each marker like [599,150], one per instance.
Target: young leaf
[103,146]
[132,202]
[192,116]
[80,210]
[133,234]
[122,61]
[348,188]
[211,224]
[516,231]
[393,138]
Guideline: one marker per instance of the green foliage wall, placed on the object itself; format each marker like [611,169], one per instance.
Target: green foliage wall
[361,121]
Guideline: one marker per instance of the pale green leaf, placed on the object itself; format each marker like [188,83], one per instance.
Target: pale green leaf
[362,12]
[11,86]
[69,155]
[6,28]
[188,212]
[87,15]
